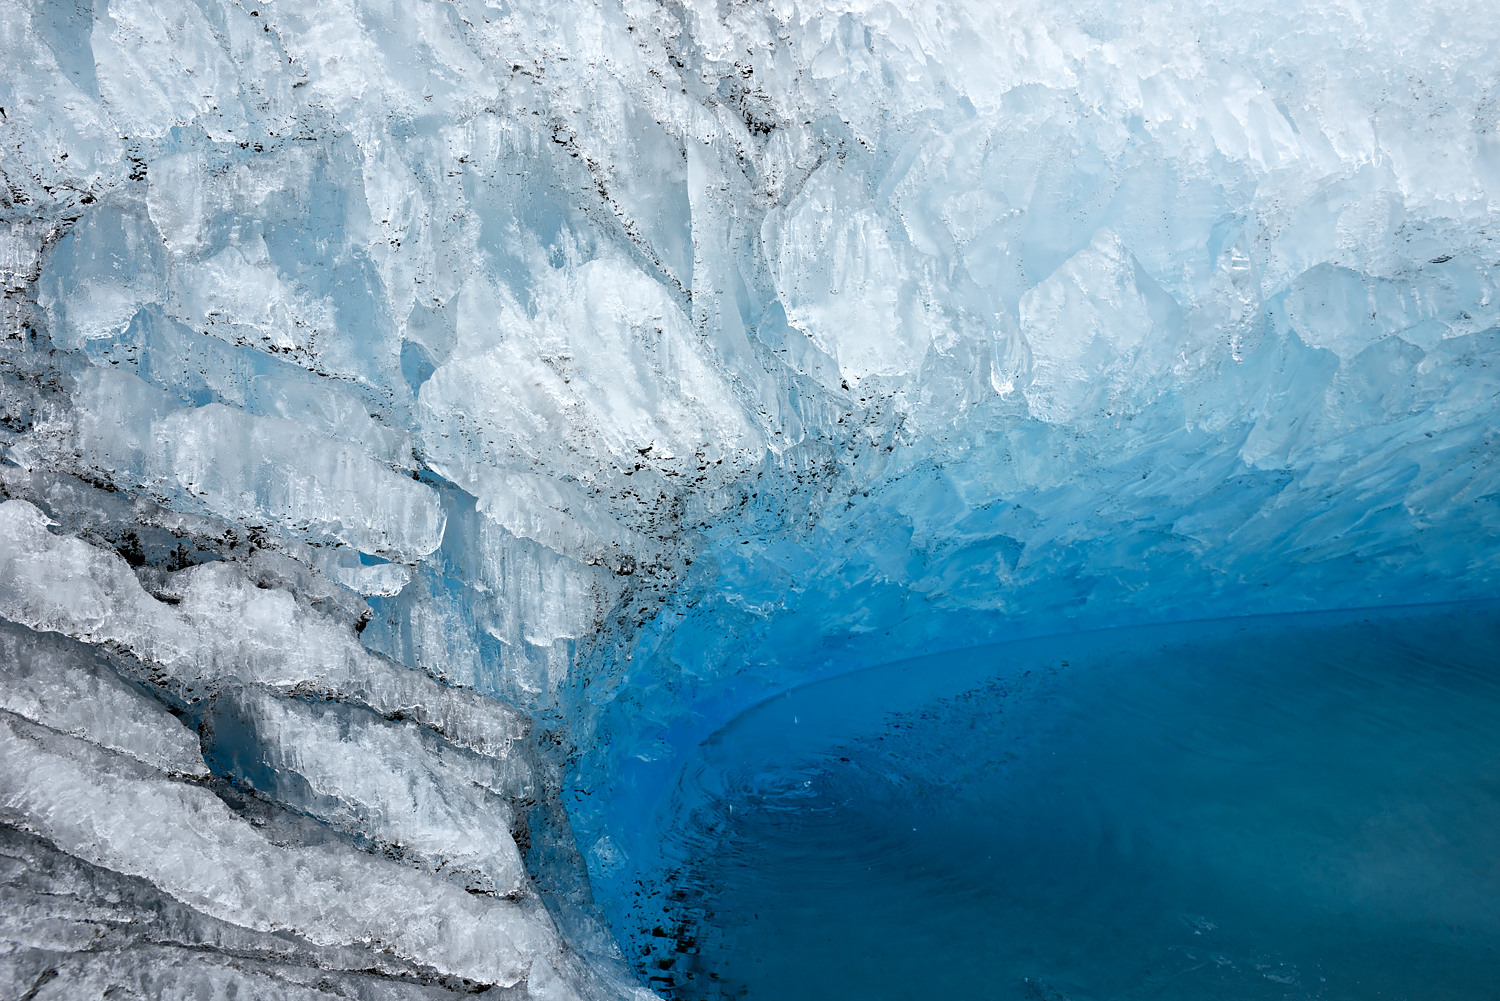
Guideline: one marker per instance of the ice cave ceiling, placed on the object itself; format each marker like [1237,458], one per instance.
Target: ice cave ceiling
[421,408]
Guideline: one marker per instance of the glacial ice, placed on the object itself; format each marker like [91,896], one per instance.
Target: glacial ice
[421,421]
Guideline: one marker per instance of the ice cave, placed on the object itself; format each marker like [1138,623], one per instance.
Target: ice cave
[781,500]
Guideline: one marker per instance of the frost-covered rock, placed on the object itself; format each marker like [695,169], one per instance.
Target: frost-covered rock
[112,812]
[67,687]
[219,627]
[415,795]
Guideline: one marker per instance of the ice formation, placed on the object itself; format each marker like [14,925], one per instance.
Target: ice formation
[417,415]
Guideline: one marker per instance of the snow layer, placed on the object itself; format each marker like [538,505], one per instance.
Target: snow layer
[435,405]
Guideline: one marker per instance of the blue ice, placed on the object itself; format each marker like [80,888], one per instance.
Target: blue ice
[439,440]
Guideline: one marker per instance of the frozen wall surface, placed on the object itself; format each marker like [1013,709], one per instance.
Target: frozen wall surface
[412,413]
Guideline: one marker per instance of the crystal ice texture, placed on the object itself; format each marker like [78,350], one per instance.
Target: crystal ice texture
[415,411]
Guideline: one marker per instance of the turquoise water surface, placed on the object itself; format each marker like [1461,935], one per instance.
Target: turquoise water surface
[1293,807]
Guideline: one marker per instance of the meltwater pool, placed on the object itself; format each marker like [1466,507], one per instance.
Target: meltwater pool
[1291,807]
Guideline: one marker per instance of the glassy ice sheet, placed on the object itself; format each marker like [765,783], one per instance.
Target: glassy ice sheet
[1301,807]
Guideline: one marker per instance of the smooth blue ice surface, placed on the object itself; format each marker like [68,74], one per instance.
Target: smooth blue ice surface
[1282,807]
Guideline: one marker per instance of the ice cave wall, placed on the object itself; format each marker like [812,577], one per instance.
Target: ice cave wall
[414,410]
